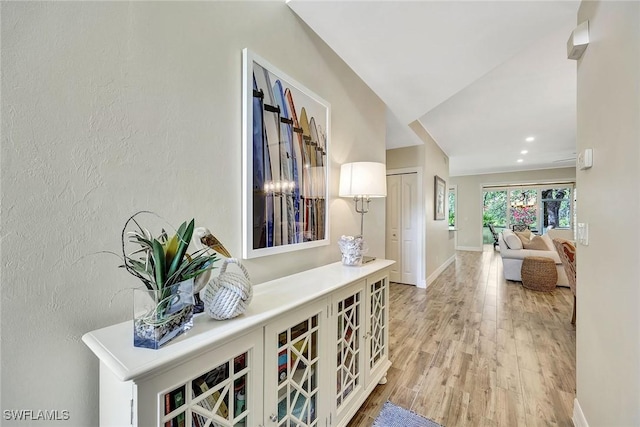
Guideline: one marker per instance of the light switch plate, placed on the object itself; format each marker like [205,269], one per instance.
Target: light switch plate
[583,233]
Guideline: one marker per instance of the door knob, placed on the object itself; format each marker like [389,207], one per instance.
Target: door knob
[273,417]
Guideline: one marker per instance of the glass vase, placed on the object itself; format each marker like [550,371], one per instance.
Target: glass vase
[160,316]
[352,249]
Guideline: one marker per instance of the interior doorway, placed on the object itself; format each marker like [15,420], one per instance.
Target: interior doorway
[404,226]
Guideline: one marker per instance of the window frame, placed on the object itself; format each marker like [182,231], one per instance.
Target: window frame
[539,200]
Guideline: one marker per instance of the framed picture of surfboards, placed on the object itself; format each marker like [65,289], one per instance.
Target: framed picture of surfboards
[286,129]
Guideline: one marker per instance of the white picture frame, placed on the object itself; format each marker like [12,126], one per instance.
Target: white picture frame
[285,161]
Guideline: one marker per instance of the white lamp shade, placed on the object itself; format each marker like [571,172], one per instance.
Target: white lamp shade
[363,179]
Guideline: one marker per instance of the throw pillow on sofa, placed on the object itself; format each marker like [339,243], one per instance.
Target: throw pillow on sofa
[532,241]
[512,241]
[525,235]
[549,242]
[536,243]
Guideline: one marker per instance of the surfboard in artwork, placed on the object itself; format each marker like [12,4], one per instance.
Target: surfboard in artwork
[272,127]
[287,162]
[301,165]
[260,165]
[310,204]
[317,144]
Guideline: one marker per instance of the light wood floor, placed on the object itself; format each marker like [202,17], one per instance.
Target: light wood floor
[476,350]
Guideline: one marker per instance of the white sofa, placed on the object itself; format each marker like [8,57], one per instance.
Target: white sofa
[512,259]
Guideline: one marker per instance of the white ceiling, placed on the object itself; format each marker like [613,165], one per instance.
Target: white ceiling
[480,76]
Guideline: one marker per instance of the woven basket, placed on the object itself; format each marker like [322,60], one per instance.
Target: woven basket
[539,273]
[229,294]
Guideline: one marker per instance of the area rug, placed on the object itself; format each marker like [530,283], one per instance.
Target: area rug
[395,416]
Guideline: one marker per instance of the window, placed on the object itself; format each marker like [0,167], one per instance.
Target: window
[539,206]
[523,207]
[494,212]
[452,206]
[556,207]
[495,208]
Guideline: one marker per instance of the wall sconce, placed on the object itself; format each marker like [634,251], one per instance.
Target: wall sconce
[363,181]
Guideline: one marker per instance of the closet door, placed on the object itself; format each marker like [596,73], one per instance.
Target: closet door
[394,225]
[402,227]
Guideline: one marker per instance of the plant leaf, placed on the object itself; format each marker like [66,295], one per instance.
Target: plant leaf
[188,269]
[171,249]
[184,235]
[159,264]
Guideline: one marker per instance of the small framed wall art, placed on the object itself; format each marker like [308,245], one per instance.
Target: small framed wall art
[286,132]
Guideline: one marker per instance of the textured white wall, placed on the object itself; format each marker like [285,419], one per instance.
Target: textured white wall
[470,203]
[608,317]
[109,108]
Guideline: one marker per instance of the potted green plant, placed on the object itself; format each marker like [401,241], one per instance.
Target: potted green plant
[164,308]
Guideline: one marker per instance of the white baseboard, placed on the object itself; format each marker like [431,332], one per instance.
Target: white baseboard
[433,276]
[469,248]
[578,416]
[422,284]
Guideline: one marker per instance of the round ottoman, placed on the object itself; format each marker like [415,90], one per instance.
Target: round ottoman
[539,273]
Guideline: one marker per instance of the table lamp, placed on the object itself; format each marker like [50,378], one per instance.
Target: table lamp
[363,181]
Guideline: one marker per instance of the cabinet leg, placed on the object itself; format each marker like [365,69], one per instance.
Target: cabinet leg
[383,380]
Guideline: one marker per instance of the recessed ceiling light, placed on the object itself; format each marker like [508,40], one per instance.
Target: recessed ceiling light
[524,152]
[520,160]
[529,139]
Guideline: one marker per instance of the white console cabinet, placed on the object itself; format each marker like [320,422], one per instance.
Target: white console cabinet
[308,351]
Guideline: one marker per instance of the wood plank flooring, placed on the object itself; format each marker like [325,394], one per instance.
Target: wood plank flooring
[476,350]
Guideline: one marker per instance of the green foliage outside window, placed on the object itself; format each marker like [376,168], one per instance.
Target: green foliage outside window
[495,208]
[452,208]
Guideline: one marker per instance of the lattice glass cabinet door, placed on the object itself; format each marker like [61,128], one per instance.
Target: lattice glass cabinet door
[293,369]
[377,324]
[347,309]
[220,388]
[217,398]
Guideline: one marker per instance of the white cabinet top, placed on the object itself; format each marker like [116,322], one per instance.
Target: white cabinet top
[114,344]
